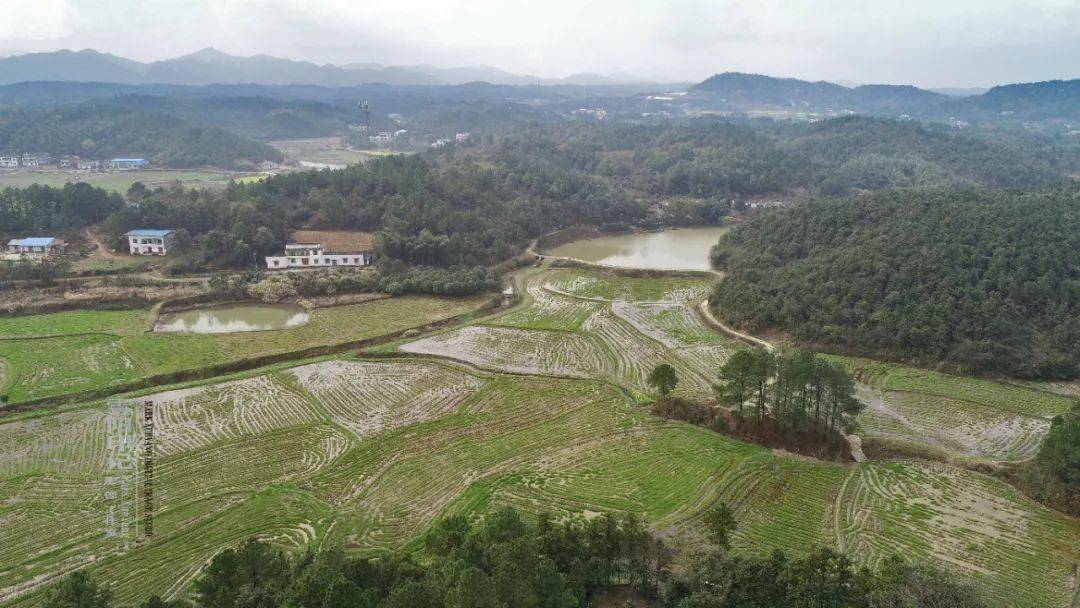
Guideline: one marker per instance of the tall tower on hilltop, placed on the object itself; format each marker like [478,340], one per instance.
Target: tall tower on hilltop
[365,115]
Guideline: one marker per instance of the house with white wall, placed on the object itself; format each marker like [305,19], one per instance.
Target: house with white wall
[147,241]
[324,249]
[128,163]
[38,246]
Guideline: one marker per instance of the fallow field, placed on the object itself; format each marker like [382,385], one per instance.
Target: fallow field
[959,416]
[365,453]
[68,352]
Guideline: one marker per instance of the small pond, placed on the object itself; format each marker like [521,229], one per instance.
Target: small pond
[676,249]
[232,318]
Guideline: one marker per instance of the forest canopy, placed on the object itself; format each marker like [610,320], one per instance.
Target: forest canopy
[987,281]
[98,131]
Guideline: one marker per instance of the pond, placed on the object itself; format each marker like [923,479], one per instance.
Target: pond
[676,249]
[232,318]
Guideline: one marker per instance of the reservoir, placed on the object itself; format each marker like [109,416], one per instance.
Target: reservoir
[675,249]
[232,318]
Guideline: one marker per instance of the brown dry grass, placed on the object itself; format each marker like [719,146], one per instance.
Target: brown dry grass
[336,241]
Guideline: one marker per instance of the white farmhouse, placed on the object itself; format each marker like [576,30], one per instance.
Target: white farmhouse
[324,249]
[9,162]
[149,242]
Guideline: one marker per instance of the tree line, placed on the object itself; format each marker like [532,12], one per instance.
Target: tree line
[511,560]
[1053,477]
[43,209]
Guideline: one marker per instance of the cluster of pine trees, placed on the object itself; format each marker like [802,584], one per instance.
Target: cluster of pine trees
[795,390]
[791,398]
[40,209]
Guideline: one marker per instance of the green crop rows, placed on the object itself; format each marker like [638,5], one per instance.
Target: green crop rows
[366,454]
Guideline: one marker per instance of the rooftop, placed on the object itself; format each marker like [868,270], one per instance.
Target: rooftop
[148,232]
[335,241]
[34,241]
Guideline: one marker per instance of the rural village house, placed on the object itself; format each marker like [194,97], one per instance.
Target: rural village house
[149,241]
[35,246]
[324,249]
[128,163]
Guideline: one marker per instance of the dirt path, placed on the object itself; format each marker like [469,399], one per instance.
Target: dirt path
[706,312]
[102,251]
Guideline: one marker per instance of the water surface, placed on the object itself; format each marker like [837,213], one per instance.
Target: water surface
[232,318]
[676,249]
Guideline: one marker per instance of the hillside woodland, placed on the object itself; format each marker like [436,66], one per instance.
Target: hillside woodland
[746,159]
[988,281]
[100,131]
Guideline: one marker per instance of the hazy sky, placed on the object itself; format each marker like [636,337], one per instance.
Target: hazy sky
[923,42]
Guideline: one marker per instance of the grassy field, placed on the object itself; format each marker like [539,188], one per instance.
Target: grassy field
[54,354]
[118,181]
[969,417]
[118,263]
[365,454]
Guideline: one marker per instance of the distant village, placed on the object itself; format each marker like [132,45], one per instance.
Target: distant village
[41,159]
[306,249]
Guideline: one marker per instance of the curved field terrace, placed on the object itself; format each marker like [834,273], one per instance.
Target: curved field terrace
[540,406]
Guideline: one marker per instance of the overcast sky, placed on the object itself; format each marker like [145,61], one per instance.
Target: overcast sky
[924,42]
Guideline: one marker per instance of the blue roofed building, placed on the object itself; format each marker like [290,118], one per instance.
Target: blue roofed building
[149,241]
[35,246]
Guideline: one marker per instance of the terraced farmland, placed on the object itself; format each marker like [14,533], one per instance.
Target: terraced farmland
[68,352]
[568,327]
[369,398]
[191,419]
[365,454]
[965,416]
[961,520]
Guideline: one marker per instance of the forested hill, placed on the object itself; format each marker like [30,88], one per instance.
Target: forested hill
[862,153]
[1031,100]
[99,131]
[746,159]
[1053,99]
[986,281]
[750,91]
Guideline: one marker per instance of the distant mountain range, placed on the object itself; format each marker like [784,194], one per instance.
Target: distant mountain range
[210,66]
[1038,100]
[74,76]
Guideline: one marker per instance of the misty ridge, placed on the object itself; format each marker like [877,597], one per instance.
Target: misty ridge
[211,66]
[32,79]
